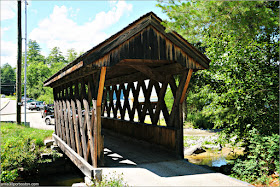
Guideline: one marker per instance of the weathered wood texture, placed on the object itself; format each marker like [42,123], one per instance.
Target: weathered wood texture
[76,118]
[162,136]
[145,39]
[149,43]
[132,107]
[81,163]
[107,81]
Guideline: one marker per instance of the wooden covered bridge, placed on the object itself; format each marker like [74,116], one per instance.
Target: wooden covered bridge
[101,89]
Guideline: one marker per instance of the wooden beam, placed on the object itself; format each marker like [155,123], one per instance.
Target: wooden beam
[170,69]
[64,73]
[70,124]
[186,86]
[176,102]
[89,131]
[149,62]
[82,128]
[149,72]
[81,163]
[95,137]
[64,110]
[101,86]
[77,134]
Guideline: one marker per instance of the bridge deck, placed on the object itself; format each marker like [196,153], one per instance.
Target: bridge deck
[121,151]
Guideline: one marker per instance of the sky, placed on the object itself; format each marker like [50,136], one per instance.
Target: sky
[80,25]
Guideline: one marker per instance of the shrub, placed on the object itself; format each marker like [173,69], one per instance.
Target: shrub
[20,150]
[115,180]
[260,160]
[198,120]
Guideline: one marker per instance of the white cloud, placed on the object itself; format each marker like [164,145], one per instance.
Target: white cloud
[8,9]
[60,30]
[3,30]
[74,13]
[8,53]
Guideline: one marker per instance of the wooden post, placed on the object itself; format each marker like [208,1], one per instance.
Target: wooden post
[175,118]
[186,86]
[101,86]
[98,139]
[76,127]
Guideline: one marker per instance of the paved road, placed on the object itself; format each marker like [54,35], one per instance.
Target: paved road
[3,102]
[34,118]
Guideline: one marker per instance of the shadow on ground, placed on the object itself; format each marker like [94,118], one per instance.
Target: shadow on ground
[125,152]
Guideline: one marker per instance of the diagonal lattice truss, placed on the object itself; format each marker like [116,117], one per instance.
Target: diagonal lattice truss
[122,101]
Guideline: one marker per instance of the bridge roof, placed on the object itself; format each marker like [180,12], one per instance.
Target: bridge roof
[142,45]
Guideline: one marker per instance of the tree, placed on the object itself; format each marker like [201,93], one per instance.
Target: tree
[8,74]
[34,53]
[239,92]
[56,60]
[8,79]
[71,55]
[36,75]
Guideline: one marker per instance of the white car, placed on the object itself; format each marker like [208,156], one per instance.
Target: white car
[35,105]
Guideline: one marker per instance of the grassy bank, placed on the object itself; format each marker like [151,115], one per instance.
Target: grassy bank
[12,97]
[20,150]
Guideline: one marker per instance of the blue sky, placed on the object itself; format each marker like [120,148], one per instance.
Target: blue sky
[68,24]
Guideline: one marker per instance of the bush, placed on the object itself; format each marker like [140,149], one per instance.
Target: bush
[115,180]
[198,120]
[261,159]
[20,150]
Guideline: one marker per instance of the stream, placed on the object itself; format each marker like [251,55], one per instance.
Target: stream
[214,158]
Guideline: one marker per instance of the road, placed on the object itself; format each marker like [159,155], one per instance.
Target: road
[8,113]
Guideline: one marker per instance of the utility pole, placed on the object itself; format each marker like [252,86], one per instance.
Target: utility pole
[25,56]
[19,65]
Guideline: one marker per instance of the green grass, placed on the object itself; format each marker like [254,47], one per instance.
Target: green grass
[12,97]
[20,150]
[14,132]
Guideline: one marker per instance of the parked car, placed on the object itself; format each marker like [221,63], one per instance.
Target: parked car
[35,105]
[49,120]
[3,96]
[48,110]
[28,100]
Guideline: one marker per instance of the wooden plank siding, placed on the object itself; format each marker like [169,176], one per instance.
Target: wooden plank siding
[163,136]
[89,91]
[144,39]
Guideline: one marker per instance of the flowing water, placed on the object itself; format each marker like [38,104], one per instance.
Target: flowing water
[214,158]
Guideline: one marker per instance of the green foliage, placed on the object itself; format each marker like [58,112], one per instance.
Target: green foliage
[197,20]
[20,148]
[169,99]
[114,180]
[240,90]
[40,69]
[34,53]
[56,60]
[8,79]
[47,97]
[8,74]
[261,159]
[71,55]
[37,73]
[198,120]
[11,97]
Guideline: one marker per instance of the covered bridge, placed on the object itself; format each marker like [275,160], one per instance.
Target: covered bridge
[100,90]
